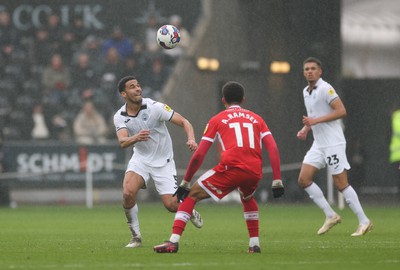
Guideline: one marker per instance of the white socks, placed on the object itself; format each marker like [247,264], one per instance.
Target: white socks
[254,241]
[175,238]
[317,196]
[351,198]
[132,220]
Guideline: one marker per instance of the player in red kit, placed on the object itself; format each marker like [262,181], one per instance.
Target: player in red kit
[241,134]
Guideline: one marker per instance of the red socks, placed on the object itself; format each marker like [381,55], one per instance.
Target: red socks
[183,215]
[250,209]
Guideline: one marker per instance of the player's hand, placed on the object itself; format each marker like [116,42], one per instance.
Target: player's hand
[183,190]
[277,188]
[192,145]
[301,135]
[143,135]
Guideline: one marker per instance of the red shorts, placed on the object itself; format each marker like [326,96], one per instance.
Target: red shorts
[220,184]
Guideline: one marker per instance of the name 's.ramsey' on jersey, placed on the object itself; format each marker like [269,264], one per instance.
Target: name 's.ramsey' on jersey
[239,115]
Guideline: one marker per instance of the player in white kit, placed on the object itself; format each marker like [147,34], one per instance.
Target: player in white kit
[141,123]
[324,113]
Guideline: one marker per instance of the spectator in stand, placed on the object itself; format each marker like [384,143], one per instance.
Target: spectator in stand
[41,48]
[155,79]
[111,67]
[92,46]
[8,33]
[56,80]
[9,41]
[109,71]
[55,31]
[68,45]
[79,30]
[89,125]
[173,55]
[83,75]
[40,129]
[150,33]
[131,66]
[118,40]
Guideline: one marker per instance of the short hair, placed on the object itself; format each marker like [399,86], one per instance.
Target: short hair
[313,60]
[123,81]
[233,92]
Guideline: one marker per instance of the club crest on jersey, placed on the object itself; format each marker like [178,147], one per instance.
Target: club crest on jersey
[331,92]
[167,108]
[145,117]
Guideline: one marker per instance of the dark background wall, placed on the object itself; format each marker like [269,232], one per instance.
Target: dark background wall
[239,32]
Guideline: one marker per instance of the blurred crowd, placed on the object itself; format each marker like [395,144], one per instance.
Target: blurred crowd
[60,82]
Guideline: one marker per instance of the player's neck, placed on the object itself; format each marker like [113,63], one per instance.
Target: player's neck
[133,108]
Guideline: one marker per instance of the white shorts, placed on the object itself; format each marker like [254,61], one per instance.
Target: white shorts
[165,179]
[334,156]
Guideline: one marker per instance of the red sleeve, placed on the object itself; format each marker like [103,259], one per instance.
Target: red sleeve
[273,152]
[197,159]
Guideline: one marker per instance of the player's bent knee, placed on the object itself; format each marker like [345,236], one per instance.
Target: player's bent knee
[170,203]
[172,207]
[303,182]
[128,201]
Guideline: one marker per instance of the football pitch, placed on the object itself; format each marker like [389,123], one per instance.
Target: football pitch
[73,237]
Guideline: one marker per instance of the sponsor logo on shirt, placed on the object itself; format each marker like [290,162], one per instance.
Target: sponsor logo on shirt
[167,108]
[331,92]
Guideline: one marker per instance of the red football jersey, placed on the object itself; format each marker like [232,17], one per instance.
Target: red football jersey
[239,132]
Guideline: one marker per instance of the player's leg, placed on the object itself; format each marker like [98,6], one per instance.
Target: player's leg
[247,185]
[131,185]
[351,198]
[171,203]
[250,211]
[313,161]
[210,184]
[165,181]
[315,193]
[338,166]
[182,216]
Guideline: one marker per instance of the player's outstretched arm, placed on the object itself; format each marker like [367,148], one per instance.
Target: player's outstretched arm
[181,121]
[197,159]
[194,164]
[273,152]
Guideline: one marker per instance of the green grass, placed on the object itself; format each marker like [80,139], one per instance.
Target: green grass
[72,237]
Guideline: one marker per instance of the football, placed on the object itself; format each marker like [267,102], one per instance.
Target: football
[168,36]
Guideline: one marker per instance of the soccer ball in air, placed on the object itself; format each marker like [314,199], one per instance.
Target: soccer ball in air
[168,36]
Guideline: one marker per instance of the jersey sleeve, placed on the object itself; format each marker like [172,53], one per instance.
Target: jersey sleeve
[164,111]
[330,94]
[210,131]
[264,130]
[119,122]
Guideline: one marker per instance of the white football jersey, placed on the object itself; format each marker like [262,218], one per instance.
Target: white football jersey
[157,151]
[318,104]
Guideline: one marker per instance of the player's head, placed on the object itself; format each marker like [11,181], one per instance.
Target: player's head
[123,81]
[233,93]
[312,70]
[313,60]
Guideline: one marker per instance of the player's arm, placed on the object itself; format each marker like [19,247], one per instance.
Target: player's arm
[270,144]
[338,111]
[302,134]
[125,140]
[194,164]
[197,159]
[181,121]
